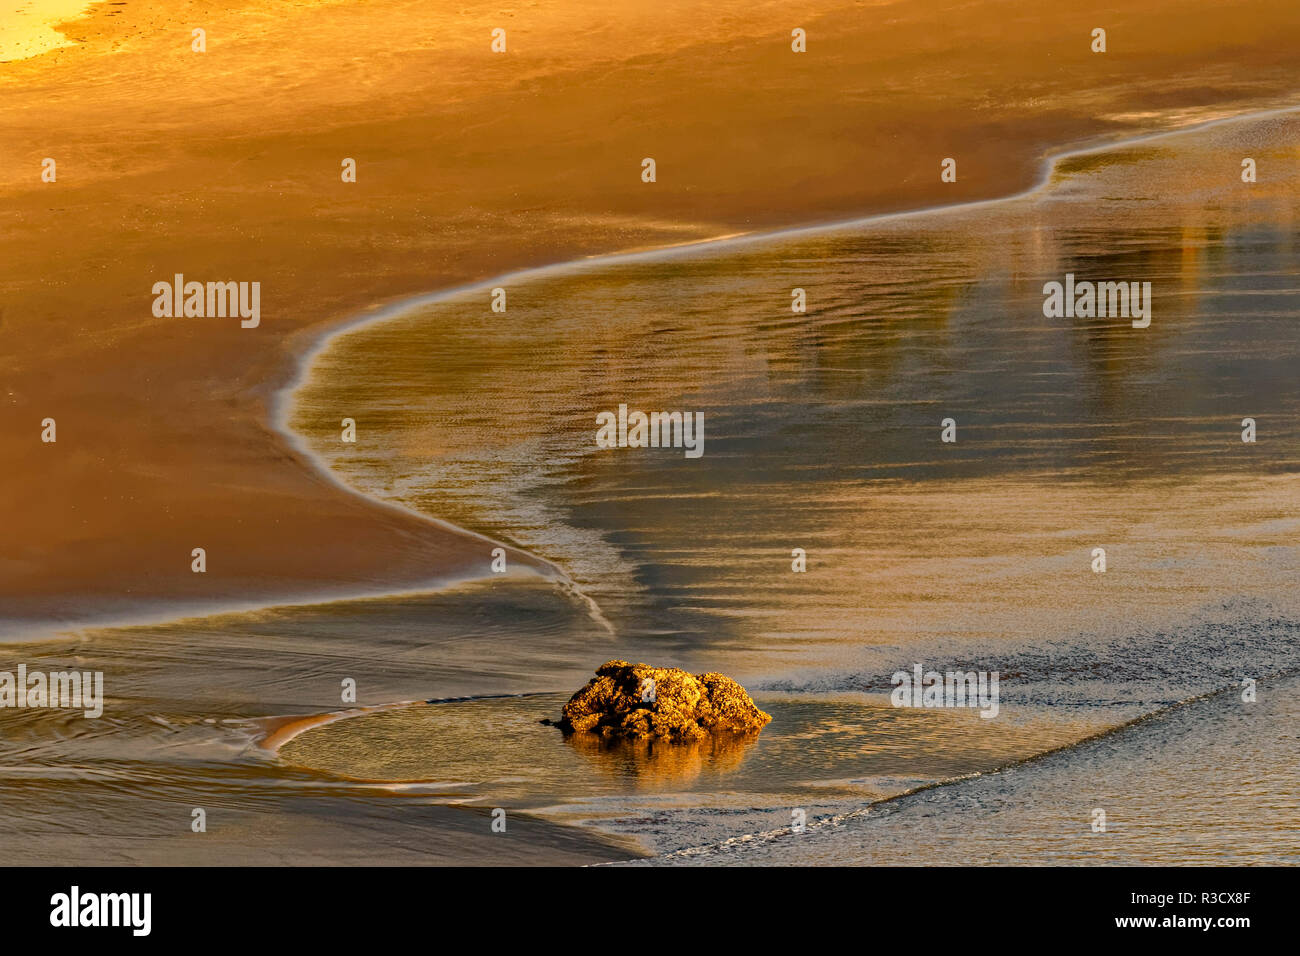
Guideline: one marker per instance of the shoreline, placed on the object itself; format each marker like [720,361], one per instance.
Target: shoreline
[1052,163]
[352,580]
[281,401]
[317,340]
[164,438]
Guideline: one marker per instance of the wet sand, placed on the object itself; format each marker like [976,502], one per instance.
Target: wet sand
[188,706]
[1169,766]
[824,426]
[824,432]
[225,165]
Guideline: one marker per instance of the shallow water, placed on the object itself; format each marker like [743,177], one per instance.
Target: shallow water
[183,714]
[1209,782]
[822,433]
[821,753]
[823,430]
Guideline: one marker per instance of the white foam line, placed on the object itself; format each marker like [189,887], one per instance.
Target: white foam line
[709,246]
[23,631]
[282,400]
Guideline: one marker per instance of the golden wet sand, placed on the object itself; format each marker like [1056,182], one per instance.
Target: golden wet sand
[225,165]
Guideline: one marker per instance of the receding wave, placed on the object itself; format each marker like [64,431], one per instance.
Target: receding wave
[823,434]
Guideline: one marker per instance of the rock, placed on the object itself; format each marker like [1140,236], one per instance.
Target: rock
[638,701]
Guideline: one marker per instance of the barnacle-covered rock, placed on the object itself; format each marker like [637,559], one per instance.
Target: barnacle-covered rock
[638,701]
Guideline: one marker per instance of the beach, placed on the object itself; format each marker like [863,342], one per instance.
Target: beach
[371,562]
[825,433]
[171,161]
